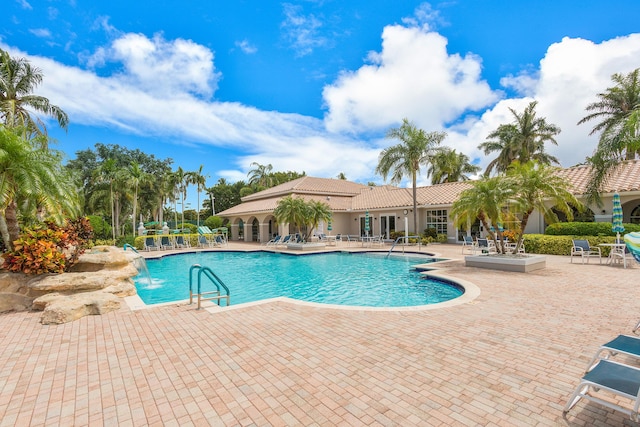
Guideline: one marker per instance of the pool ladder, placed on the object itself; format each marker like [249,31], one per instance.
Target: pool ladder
[211,295]
[403,238]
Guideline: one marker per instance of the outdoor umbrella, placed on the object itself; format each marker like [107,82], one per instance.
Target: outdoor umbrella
[366,222]
[616,219]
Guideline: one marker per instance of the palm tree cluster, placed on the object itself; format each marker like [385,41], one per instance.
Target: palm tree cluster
[618,109]
[304,215]
[33,184]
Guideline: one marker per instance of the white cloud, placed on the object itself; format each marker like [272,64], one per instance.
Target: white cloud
[426,17]
[301,31]
[246,47]
[414,77]
[25,4]
[157,92]
[159,65]
[41,32]
[569,78]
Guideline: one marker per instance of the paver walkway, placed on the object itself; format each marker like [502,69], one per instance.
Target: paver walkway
[511,357]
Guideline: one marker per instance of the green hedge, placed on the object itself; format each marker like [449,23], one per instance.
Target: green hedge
[586,229]
[139,242]
[561,245]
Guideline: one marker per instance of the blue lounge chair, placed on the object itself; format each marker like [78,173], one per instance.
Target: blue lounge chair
[582,248]
[274,241]
[616,378]
[468,244]
[203,242]
[622,344]
[150,244]
[181,242]
[166,243]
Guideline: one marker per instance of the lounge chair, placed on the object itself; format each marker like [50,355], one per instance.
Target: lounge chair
[616,378]
[485,246]
[219,240]
[582,248]
[181,242]
[273,241]
[203,242]
[150,244]
[623,344]
[285,240]
[468,244]
[166,243]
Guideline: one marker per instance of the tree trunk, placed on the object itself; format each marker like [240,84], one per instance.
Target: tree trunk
[523,224]
[117,215]
[133,219]
[4,231]
[415,205]
[11,216]
[113,226]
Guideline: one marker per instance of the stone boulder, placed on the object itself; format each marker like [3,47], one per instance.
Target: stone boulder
[93,286]
[59,308]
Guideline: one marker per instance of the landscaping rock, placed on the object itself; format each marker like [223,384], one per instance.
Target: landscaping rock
[94,286]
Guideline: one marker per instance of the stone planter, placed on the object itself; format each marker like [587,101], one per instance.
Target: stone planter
[305,246]
[518,263]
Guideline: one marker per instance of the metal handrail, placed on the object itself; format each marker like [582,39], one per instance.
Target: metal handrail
[216,295]
[402,238]
[126,245]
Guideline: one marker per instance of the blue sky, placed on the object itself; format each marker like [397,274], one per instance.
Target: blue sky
[314,85]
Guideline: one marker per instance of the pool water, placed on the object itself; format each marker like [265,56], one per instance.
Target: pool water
[355,279]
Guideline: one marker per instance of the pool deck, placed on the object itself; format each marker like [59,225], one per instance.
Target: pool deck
[511,356]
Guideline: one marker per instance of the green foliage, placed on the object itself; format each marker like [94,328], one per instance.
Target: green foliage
[214,222]
[101,227]
[442,238]
[561,245]
[430,232]
[53,249]
[192,227]
[138,243]
[586,229]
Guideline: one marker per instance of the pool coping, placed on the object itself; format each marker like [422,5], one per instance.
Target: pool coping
[430,270]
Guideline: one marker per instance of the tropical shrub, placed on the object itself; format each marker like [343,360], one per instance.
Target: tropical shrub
[430,232]
[53,249]
[101,227]
[442,238]
[213,222]
[561,245]
[586,229]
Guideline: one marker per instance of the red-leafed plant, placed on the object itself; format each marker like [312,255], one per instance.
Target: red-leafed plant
[53,249]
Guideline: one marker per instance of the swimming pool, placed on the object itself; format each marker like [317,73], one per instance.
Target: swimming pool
[355,279]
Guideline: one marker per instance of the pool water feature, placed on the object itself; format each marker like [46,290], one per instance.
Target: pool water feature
[353,279]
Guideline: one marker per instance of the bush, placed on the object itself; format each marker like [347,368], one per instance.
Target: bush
[430,232]
[561,245]
[101,228]
[586,229]
[53,249]
[139,240]
[214,222]
[442,238]
[191,227]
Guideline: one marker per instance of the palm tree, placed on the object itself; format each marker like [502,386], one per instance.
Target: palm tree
[540,188]
[136,177]
[28,173]
[181,180]
[618,110]
[316,211]
[291,210]
[415,150]
[521,140]
[260,176]
[486,201]
[106,174]
[449,166]
[342,176]
[200,180]
[17,82]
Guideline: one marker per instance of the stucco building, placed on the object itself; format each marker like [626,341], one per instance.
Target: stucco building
[391,208]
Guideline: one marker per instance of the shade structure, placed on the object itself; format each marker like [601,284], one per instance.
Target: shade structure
[616,218]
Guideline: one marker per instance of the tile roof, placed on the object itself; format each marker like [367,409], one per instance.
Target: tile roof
[625,178]
[310,185]
[343,195]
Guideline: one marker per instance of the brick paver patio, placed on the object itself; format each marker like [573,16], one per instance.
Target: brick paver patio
[510,357]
